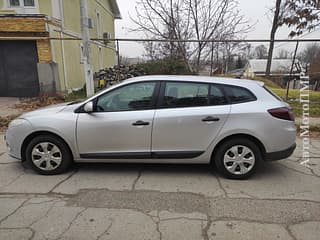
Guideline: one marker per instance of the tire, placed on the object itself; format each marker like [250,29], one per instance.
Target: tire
[241,167]
[48,155]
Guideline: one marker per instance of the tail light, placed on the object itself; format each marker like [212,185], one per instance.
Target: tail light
[282,113]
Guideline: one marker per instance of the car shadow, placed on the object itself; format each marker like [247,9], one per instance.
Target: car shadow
[265,170]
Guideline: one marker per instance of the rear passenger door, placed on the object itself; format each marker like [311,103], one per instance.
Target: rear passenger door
[188,118]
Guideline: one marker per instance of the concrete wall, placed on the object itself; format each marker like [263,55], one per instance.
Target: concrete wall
[45,7]
[48,78]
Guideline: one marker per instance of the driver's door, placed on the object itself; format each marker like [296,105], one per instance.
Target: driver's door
[121,125]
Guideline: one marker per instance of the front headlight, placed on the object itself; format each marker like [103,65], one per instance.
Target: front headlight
[16,122]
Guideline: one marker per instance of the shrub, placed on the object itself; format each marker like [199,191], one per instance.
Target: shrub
[168,66]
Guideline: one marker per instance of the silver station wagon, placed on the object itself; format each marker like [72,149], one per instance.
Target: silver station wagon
[231,124]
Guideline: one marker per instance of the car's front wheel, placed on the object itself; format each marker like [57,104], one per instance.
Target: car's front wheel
[237,158]
[48,155]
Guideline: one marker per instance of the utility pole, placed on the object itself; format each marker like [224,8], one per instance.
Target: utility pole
[86,47]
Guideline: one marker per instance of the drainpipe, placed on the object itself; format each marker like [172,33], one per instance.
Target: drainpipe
[64,65]
[86,47]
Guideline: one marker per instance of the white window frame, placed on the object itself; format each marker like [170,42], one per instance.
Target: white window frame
[25,9]
[57,10]
[21,4]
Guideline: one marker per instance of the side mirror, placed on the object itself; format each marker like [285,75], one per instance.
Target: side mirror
[88,107]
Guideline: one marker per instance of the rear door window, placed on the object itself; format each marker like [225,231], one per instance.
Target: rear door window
[185,94]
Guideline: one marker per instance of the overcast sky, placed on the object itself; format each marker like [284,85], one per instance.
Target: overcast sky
[254,10]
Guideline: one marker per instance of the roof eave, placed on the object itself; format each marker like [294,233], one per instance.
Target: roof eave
[115,9]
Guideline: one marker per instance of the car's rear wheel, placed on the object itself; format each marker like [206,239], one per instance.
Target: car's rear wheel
[48,155]
[237,158]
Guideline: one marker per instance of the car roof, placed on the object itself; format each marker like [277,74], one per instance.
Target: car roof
[194,78]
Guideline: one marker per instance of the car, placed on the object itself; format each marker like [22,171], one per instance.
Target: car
[230,124]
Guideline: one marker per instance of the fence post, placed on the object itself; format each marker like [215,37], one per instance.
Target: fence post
[211,60]
[118,62]
[291,70]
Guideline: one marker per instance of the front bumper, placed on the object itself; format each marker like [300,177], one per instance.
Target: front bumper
[280,154]
[14,138]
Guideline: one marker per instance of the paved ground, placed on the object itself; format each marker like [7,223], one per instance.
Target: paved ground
[108,201]
[7,106]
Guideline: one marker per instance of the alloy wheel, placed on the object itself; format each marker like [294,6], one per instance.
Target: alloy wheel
[239,159]
[46,156]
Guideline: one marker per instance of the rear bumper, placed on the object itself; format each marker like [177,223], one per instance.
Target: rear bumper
[272,156]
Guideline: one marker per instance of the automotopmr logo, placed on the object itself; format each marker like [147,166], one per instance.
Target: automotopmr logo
[305,121]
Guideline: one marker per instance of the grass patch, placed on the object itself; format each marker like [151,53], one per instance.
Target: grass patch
[294,98]
[314,108]
[294,94]
[294,101]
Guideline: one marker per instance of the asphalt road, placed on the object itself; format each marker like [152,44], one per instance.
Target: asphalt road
[140,201]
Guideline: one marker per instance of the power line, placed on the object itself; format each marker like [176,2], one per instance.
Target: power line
[159,40]
[303,35]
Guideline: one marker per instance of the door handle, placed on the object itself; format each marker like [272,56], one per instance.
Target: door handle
[140,123]
[210,119]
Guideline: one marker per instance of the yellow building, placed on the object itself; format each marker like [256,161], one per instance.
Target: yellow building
[33,58]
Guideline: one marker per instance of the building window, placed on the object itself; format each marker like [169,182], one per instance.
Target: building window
[22,3]
[14,3]
[28,3]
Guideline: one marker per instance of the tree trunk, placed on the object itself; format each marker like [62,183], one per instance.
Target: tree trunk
[272,36]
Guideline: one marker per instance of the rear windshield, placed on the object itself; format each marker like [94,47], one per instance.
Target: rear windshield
[273,94]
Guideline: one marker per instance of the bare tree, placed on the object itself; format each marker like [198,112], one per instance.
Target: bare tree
[189,19]
[310,58]
[303,15]
[261,52]
[283,54]
[275,25]
[309,53]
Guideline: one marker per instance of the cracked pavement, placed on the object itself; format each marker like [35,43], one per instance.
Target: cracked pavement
[144,201]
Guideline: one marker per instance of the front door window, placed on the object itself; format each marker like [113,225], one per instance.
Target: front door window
[137,96]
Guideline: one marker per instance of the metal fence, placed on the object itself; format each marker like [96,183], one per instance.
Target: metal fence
[231,57]
[221,56]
